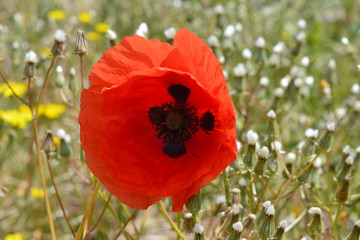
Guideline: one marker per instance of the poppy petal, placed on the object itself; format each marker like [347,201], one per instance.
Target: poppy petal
[132,54]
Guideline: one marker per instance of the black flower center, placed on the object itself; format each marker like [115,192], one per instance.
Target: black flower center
[176,122]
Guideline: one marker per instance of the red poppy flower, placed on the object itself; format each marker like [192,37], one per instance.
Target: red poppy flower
[158,120]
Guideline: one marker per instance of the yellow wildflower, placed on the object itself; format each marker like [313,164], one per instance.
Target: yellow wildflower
[46,52]
[36,192]
[19,88]
[324,84]
[17,118]
[51,110]
[102,27]
[57,142]
[93,36]
[57,14]
[84,17]
[14,236]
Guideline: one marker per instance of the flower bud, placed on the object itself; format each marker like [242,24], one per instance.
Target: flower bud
[249,222]
[199,232]
[355,232]
[310,144]
[59,43]
[260,164]
[73,84]
[325,140]
[266,227]
[48,145]
[262,213]
[235,193]
[59,77]
[343,192]
[346,167]
[280,230]
[80,43]
[316,225]
[260,42]
[111,35]
[235,233]
[194,203]
[188,224]
[30,70]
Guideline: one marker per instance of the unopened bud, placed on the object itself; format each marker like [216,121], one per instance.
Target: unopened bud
[343,192]
[280,230]
[59,43]
[188,224]
[30,70]
[266,227]
[316,225]
[59,78]
[48,145]
[80,43]
[194,203]
[355,232]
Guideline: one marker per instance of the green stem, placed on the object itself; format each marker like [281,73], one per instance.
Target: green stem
[226,187]
[170,221]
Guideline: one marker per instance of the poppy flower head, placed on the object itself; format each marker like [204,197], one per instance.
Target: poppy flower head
[158,120]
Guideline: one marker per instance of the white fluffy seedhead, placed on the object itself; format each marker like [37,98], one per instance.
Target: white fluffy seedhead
[260,42]
[188,215]
[238,227]
[198,228]
[349,160]
[60,133]
[332,64]
[317,163]
[290,158]
[314,210]
[331,127]
[355,88]
[357,223]
[31,57]
[279,92]
[59,35]
[301,23]
[219,9]
[279,47]
[266,204]
[170,33]
[311,133]
[271,114]
[270,211]
[229,30]
[283,224]
[285,81]
[252,137]
[219,199]
[246,53]
[239,70]
[242,182]
[264,81]
[345,40]
[346,149]
[305,61]
[309,80]
[264,152]
[276,145]
[213,41]
[142,30]
[111,35]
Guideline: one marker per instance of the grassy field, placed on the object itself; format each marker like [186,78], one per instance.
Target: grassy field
[298,58]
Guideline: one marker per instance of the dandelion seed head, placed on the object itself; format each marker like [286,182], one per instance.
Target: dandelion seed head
[264,152]
[283,224]
[314,210]
[31,57]
[198,229]
[246,53]
[260,42]
[264,81]
[59,36]
[238,227]
[213,41]
[271,114]
[349,160]
[170,33]
[111,35]
[270,211]
[301,23]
